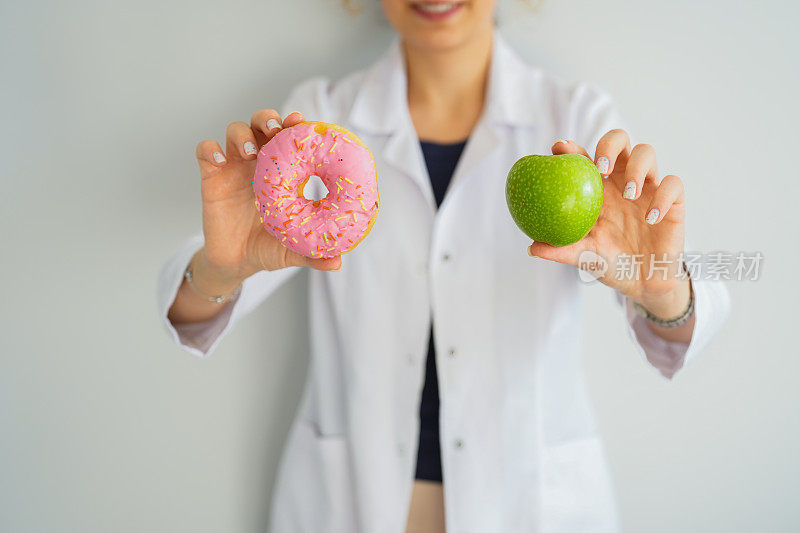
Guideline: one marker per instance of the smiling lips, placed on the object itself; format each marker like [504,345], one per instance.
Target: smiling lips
[436,10]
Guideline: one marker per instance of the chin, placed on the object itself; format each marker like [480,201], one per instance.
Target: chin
[439,25]
[436,41]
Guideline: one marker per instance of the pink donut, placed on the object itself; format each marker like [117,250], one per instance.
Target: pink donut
[316,228]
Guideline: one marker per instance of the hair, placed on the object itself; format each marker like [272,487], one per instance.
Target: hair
[352,7]
[355,7]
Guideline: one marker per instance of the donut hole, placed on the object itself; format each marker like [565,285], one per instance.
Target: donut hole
[313,189]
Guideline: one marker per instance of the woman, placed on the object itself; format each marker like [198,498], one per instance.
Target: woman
[497,412]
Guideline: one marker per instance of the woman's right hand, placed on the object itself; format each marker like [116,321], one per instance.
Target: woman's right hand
[236,244]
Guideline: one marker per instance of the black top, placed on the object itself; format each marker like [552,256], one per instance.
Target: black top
[441,160]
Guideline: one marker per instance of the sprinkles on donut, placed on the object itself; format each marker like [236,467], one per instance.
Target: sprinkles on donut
[334,224]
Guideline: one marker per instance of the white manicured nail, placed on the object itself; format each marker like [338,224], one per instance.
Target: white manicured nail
[272,124]
[562,141]
[250,148]
[218,157]
[652,216]
[602,165]
[630,190]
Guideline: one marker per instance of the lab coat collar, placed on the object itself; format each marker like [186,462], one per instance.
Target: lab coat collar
[381,107]
[381,104]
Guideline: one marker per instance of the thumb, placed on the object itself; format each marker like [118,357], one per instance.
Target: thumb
[295,259]
[560,254]
[332,263]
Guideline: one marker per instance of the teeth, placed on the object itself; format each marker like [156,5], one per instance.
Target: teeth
[436,8]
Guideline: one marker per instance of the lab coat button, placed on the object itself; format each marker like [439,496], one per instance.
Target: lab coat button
[446,257]
[451,352]
[458,444]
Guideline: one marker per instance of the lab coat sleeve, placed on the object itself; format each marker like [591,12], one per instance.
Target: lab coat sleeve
[592,114]
[711,308]
[202,338]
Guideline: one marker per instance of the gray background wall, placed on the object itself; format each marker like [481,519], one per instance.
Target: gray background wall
[106,426]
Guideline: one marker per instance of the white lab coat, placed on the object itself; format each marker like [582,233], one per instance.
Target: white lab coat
[520,448]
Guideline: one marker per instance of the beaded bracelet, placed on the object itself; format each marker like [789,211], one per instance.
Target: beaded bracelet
[679,320]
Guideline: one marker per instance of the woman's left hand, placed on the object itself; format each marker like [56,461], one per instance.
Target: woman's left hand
[640,230]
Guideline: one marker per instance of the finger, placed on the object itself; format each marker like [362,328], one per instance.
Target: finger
[209,156]
[294,259]
[608,151]
[240,141]
[641,164]
[560,254]
[265,123]
[568,147]
[292,119]
[333,263]
[668,195]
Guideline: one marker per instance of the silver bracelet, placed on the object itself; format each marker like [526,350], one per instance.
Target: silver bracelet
[215,299]
[679,320]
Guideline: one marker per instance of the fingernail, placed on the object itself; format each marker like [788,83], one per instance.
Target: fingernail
[562,141]
[529,252]
[250,148]
[630,190]
[652,216]
[272,124]
[218,157]
[602,165]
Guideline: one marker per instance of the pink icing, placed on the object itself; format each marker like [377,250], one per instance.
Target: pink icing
[334,224]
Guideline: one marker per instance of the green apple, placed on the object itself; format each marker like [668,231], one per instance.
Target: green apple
[554,198]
